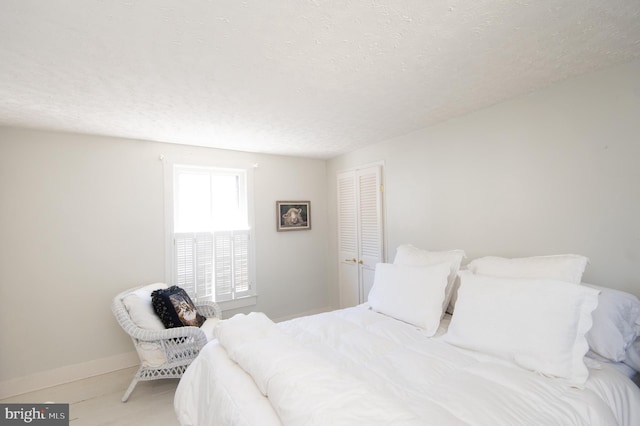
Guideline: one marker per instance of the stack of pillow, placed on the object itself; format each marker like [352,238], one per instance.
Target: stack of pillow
[530,310]
[416,277]
[533,311]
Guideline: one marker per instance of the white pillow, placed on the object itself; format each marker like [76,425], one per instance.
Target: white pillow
[138,304]
[562,267]
[614,323]
[412,294]
[409,255]
[541,325]
[632,358]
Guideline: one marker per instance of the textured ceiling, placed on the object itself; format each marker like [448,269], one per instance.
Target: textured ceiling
[313,78]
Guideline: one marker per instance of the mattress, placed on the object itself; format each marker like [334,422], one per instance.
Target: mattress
[413,379]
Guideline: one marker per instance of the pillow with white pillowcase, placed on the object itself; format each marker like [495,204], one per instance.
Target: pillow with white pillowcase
[413,294]
[138,304]
[541,325]
[408,254]
[632,357]
[562,267]
[614,323]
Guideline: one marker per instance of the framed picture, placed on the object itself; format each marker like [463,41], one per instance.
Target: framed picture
[293,215]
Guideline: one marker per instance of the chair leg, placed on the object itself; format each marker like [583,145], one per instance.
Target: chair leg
[133,384]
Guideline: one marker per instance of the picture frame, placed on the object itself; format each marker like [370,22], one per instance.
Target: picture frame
[293,215]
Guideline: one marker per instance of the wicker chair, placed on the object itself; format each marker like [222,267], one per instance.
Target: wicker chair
[177,347]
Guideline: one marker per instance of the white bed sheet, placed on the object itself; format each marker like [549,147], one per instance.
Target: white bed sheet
[427,375]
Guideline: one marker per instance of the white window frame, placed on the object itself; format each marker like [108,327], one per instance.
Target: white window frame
[243,299]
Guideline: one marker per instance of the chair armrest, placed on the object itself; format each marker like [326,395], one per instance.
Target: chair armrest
[209,309]
[169,333]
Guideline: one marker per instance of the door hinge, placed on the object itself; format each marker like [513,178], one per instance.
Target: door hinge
[381,188]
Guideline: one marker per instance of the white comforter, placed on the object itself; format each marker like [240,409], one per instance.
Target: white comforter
[356,366]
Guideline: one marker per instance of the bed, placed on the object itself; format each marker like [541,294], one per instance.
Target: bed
[363,365]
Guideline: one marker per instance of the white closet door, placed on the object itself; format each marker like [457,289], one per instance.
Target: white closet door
[369,185]
[360,232]
[348,240]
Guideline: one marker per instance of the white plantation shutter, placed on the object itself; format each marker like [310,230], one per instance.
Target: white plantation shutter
[204,265]
[208,264]
[231,257]
[241,279]
[193,257]
[223,259]
[184,262]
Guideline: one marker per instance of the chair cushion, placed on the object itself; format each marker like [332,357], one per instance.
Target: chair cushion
[138,304]
[151,354]
[175,308]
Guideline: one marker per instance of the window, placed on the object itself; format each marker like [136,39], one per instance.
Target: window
[211,244]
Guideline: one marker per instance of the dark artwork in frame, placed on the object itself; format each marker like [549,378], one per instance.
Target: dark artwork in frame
[293,215]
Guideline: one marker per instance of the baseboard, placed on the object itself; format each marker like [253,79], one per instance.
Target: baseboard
[304,314]
[66,374]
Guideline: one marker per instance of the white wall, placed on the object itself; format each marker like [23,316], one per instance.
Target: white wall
[82,218]
[556,171]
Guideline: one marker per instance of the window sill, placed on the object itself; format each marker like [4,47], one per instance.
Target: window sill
[238,303]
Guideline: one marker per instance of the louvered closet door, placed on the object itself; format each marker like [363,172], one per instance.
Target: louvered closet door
[360,232]
[369,188]
[348,240]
